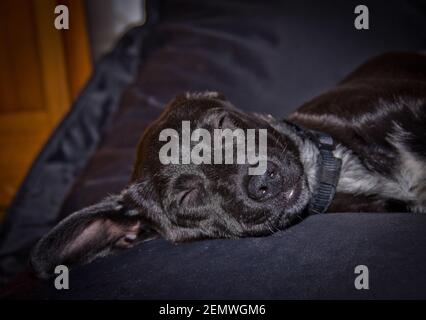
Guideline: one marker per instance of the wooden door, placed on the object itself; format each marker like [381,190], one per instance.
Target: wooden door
[41,70]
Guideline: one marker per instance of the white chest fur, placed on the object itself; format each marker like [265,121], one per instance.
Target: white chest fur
[408,182]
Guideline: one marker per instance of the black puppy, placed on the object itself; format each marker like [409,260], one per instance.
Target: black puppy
[359,147]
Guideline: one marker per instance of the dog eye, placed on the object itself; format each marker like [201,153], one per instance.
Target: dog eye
[188,189]
[188,197]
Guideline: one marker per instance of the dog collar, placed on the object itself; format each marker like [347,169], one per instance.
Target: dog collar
[328,172]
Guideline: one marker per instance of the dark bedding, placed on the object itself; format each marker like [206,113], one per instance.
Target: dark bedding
[312,260]
[265,58]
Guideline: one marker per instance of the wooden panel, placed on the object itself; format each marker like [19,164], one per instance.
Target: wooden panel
[24,123]
[20,73]
[52,61]
[77,48]
[19,142]
[41,70]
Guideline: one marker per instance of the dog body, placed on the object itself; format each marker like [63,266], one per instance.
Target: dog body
[376,117]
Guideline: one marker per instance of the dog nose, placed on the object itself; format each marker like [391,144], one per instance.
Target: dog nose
[265,186]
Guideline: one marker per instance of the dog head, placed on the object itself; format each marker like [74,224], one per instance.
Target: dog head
[219,200]
[189,201]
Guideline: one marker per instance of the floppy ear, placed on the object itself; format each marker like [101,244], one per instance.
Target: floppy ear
[92,232]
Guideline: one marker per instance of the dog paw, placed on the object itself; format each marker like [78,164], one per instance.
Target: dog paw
[129,236]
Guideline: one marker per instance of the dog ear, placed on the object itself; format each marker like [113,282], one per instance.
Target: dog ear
[92,232]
